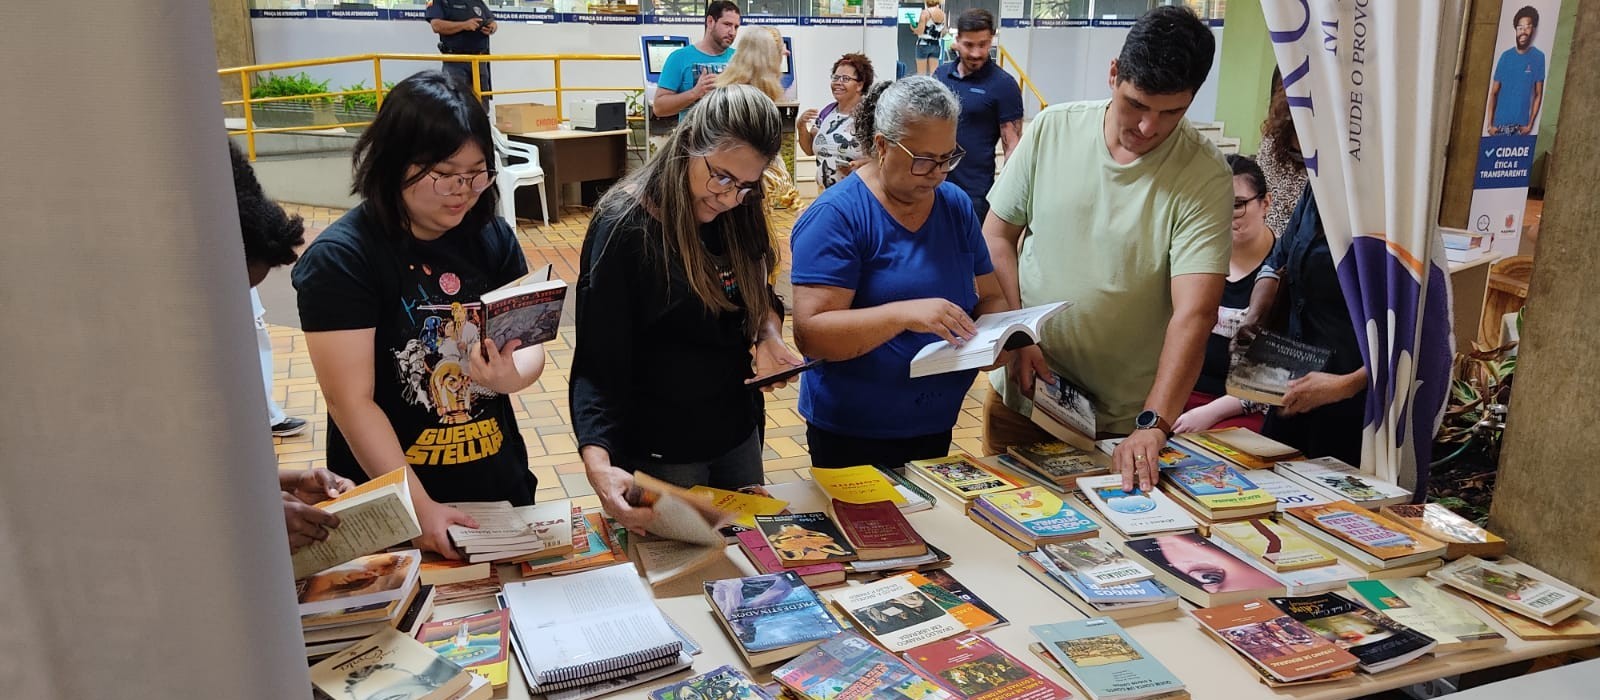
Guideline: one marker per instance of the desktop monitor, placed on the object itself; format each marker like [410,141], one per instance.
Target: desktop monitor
[656,51]
[788,60]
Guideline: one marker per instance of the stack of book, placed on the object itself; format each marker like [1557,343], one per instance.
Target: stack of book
[868,484]
[393,665]
[1242,446]
[1282,650]
[1216,493]
[1134,513]
[1288,492]
[1098,580]
[766,561]
[1461,537]
[1200,571]
[565,631]
[507,533]
[848,667]
[1337,481]
[1379,643]
[896,614]
[1104,661]
[1026,518]
[1420,605]
[961,476]
[454,580]
[593,547]
[1514,587]
[360,598]
[481,644]
[1462,246]
[1367,539]
[771,617]
[1058,463]
[971,667]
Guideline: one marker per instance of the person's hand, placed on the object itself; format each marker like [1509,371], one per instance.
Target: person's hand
[611,484]
[305,524]
[1315,390]
[1028,364]
[808,119]
[1201,418]
[1137,458]
[313,486]
[489,27]
[1004,360]
[436,519]
[939,317]
[1525,129]
[704,84]
[494,368]
[772,356]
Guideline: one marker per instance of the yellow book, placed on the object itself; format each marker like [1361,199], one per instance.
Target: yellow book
[1277,546]
[863,484]
[744,505]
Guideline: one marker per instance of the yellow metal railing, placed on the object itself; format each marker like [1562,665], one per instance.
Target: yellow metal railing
[1022,77]
[247,73]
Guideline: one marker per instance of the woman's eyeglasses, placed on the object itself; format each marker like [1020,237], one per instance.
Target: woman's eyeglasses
[451,184]
[723,183]
[836,78]
[1240,204]
[924,165]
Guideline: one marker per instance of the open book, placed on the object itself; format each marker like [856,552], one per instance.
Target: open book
[528,309]
[583,626]
[997,332]
[680,515]
[372,516]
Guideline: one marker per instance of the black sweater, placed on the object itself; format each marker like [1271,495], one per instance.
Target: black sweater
[655,374]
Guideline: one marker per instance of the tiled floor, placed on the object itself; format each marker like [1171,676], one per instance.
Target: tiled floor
[541,410]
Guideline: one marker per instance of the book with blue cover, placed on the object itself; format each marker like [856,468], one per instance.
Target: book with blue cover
[770,617]
[1106,662]
[1147,590]
[1219,488]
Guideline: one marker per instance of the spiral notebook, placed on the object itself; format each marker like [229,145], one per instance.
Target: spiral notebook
[588,624]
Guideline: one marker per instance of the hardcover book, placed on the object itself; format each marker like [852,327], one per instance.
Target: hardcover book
[877,530]
[388,664]
[864,484]
[973,668]
[896,613]
[478,643]
[720,683]
[1242,446]
[1096,561]
[800,539]
[1460,536]
[1371,540]
[1134,512]
[1339,481]
[969,615]
[766,561]
[1379,642]
[1219,488]
[771,617]
[849,667]
[528,310]
[1202,572]
[1418,604]
[1060,462]
[1104,661]
[1262,372]
[1520,589]
[1035,515]
[1274,641]
[1279,547]
[961,476]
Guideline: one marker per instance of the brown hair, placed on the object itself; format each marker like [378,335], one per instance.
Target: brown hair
[863,66]
[1279,125]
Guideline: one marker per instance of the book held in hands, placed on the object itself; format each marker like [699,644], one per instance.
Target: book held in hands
[528,310]
[373,516]
[1261,373]
[996,333]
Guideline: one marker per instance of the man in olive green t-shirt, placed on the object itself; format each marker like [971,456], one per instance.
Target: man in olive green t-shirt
[1127,209]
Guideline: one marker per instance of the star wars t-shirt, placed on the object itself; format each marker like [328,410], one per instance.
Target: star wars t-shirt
[421,299]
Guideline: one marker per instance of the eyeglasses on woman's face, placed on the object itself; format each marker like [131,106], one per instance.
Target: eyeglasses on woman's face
[842,78]
[924,165]
[1239,203]
[452,184]
[721,183]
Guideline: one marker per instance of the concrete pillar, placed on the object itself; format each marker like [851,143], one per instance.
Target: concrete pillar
[230,24]
[1548,485]
[141,528]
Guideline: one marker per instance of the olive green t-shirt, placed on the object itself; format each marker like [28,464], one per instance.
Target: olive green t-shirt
[1109,238]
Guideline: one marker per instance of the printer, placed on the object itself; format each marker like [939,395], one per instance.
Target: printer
[599,115]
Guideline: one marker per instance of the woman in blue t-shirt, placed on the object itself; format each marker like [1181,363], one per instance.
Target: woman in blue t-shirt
[885,262]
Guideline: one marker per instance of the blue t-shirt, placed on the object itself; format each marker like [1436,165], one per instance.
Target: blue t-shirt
[1517,73]
[989,97]
[678,75]
[847,239]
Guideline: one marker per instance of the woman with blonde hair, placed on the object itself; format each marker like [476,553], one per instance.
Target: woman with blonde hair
[758,62]
[929,30]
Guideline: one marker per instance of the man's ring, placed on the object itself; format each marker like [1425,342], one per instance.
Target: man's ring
[1138,458]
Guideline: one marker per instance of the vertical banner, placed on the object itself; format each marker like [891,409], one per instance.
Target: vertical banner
[1370,90]
[1511,120]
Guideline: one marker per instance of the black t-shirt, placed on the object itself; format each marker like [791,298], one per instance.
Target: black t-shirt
[655,374]
[421,298]
[461,11]
[1235,300]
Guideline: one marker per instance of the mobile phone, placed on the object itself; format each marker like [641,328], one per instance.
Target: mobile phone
[776,377]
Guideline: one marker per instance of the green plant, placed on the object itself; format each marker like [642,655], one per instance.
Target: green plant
[274,85]
[635,103]
[355,99]
[1462,477]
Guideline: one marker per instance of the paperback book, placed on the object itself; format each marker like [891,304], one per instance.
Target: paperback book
[863,484]
[996,333]
[1420,605]
[1262,372]
[1520,588]
[373,516]
[1378,642]
[1339,481]
[771,617]
[1219,491]
[1104,661]
[766,561]
[1097,561]
[1366,538]
[896,613]
[680,515]
[1273,641]
[1134,512]
[388,664]
[1035,515]
[848,667]
[1059,462]
[1280,548]
[1288,492]
[478,643]
[744,506]
[1117,602]
[1575,627]
[1202,572]
[1461,537]
[1317,579]
[961,476]
[1064,410]
[721,683]
[944,580]
[664,561]
[1241,446]
[973,668]
[381,580]
[801,539]
[963,610]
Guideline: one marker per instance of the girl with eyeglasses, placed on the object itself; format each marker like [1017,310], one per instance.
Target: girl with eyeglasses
[829,134]
[675,313]
[887,261]
[389,301]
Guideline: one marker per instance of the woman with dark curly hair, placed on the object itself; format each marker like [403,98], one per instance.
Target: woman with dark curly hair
[1280,159]
[829,134]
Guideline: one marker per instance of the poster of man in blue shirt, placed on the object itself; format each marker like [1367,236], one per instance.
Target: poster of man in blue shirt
[1518,87]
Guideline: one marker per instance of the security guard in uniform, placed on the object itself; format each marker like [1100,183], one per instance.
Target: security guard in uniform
[463,27]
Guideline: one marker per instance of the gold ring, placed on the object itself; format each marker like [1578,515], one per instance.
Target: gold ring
[1138,458]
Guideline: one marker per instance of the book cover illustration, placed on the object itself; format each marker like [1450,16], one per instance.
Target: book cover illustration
[962,475]
[373,579]
[1097,561]
[530,317]
[964,611]
[1419,605]
[1280,547]
[744,504]
[1218,486]
[1288,492]
[387,665]
[1377,641]
[1039,512]
[1177,456]
[479,643]
[1274,640]
[1136,511]
[1263,370]
[805,538]
[771,611]
[973,668]
[1196,561]
[897,614]
[720,683]
[1243,446]
[1066,403]
[849,667]
[1104,659]
[1344,480]
[1060,461]
[1441,523]
[943,579]
[1371,533]
[1506,586]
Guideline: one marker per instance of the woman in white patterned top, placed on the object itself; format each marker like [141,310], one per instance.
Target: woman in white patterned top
[1280,159]
[829,134]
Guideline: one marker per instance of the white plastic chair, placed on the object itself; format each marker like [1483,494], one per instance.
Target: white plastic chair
[514,175]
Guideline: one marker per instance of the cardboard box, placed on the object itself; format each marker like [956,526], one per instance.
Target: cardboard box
[525,117]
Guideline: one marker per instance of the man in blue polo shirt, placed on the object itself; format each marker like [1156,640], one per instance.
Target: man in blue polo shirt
[691,72]
[991,106]
[1518,87]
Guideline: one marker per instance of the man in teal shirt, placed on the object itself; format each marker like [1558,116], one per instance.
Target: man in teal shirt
[691,71]
[1127,209]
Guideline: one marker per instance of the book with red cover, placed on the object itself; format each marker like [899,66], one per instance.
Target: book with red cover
[973,668]
[878,530]
[766,561]
[1274,641]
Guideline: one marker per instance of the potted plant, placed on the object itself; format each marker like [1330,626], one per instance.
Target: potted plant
[1467,448]
[307,111]
[359,103]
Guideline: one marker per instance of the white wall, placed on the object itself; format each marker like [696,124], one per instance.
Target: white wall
[1072,63]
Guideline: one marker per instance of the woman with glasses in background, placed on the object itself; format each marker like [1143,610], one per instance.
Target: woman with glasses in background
[829,134]
[674,311]
[885,263]
[389,301]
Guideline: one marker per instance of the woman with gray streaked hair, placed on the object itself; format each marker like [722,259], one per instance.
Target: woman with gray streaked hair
[885,262]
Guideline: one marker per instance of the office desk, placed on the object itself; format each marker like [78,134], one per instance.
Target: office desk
[569,156]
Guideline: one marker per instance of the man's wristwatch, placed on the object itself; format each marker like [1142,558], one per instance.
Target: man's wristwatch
[1149,419]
